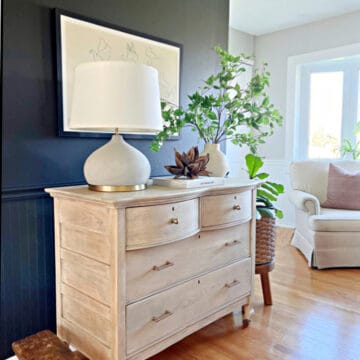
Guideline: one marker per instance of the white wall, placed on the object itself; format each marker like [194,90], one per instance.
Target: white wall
[275,49]
[240,42]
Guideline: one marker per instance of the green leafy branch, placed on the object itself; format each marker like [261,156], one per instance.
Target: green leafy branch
[221,105]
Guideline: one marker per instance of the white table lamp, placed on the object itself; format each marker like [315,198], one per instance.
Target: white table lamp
[120,97]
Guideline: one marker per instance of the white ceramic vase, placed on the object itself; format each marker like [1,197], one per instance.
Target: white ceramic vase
[218,164]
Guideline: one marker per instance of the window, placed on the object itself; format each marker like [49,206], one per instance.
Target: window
[328,107]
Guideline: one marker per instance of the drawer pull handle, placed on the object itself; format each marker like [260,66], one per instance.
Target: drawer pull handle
[175,221]
[236,207]
[233,243]
[164,266]
[234,283]
[166,314]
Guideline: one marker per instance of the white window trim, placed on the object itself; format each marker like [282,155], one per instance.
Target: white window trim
[350,70]
[293,87]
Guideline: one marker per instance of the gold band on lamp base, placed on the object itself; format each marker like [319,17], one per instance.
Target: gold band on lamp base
[120,188]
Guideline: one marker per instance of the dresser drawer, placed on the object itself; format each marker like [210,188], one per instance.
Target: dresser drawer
[152,269]
[220,210]
[150,225]
[168,312]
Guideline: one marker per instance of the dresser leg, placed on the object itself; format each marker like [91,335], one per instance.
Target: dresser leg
[246,310]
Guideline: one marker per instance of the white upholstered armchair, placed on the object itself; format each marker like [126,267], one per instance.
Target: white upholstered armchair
[327,237]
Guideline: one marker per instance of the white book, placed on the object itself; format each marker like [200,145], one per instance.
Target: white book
[185,183]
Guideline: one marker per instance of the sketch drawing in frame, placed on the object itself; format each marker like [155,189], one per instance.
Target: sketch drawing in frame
[80,39]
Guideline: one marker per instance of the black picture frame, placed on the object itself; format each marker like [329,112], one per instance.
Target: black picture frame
[61,16]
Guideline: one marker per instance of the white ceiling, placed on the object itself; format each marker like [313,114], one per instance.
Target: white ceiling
[258,17]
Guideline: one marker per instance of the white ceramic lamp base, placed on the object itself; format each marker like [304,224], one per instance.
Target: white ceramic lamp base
[117,166]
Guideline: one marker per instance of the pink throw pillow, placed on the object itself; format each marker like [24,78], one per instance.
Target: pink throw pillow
[343,189]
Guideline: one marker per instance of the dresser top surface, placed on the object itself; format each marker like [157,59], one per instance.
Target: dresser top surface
[152,193]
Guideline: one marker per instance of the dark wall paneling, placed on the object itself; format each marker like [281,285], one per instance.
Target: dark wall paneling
[34,156]
[27,268]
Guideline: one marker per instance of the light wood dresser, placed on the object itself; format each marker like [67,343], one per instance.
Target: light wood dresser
[137,272]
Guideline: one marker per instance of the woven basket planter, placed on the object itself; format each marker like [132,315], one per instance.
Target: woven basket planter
[265,240]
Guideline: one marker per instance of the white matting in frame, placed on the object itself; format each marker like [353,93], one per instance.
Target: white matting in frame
[81,40]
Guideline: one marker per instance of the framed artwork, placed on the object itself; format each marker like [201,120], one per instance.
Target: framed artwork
[80,39]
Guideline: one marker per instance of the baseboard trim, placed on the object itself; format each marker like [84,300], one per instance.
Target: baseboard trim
[285,226]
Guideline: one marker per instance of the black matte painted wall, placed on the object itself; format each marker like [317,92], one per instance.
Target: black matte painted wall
[34,157]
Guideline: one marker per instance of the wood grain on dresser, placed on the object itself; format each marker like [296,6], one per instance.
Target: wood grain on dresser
[136,272]
[86,275]
[92,244]
[163,314]
[163,223]
[155,268]
[224,210]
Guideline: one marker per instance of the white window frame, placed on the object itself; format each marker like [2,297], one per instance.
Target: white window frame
[350,69]
[292,119]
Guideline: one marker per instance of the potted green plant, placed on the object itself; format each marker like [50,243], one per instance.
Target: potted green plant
[268,192]
[219,107]
[266,195]
[349,148]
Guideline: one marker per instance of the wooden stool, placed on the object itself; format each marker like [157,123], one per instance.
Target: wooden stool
[263,270]
[44,345]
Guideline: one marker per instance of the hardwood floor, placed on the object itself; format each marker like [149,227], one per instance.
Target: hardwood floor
[315,315]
